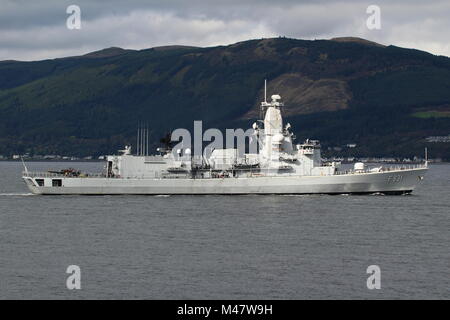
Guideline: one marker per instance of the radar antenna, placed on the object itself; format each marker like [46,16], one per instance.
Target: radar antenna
[264,104]
[265,90]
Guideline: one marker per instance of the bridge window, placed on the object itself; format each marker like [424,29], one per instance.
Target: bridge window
[40,182]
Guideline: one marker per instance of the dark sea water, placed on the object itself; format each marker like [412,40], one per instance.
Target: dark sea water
[223,247]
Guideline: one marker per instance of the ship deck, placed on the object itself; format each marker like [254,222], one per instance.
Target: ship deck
[241,174]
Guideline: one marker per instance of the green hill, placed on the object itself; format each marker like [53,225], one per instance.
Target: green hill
[340,91]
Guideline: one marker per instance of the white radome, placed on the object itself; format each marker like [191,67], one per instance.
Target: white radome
[278,138]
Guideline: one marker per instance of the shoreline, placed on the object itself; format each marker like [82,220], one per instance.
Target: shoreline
[97,160]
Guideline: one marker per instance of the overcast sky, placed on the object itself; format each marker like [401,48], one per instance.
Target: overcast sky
[34,30]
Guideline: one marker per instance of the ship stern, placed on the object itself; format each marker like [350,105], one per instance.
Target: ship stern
[31,185]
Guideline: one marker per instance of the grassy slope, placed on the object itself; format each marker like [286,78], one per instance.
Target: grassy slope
[91,105]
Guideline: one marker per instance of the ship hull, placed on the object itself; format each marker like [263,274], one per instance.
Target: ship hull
[389,182]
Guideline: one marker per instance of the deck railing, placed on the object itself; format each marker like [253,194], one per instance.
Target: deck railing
[45,174]
[254,173]
[382,169]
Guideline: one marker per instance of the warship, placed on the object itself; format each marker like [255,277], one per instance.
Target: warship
[279,166]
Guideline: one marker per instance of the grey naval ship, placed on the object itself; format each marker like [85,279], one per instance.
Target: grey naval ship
[278,167]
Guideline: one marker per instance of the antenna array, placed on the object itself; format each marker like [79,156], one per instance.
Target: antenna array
[142,140]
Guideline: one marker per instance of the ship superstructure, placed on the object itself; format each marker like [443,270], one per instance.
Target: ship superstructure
[278,166]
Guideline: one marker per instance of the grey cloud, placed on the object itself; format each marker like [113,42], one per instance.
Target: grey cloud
[36,30]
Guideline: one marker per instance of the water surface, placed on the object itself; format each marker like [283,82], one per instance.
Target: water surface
[223,247]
